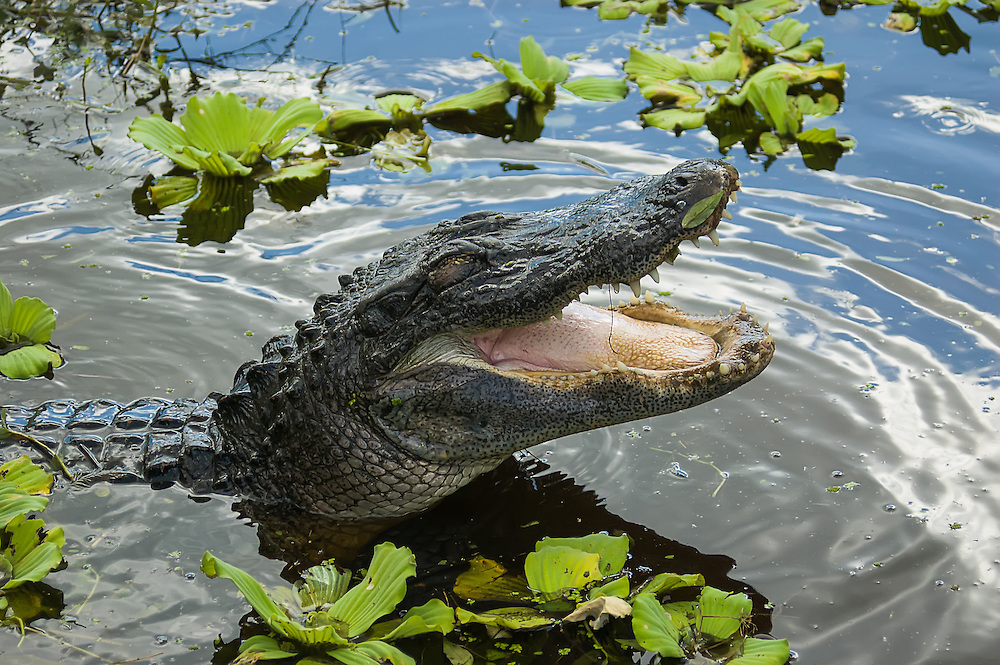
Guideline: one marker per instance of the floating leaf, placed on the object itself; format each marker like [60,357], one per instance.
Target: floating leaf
[539,67]
[598,88]
[611,550]
[321,585]
[491,95]
[511,618]
[664,582]
[554,568]
[486,579]
[31,552]
[431,617]
[720,614]
[675,119]
[788,32]
[172,189]
[382,588]
[654,629]
[222,136]
[757,651]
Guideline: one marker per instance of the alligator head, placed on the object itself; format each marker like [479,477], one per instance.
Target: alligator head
[467,343]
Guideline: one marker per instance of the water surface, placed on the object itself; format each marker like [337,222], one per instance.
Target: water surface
[879,282]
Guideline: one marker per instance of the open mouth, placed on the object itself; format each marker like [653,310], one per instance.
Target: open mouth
[641,336]
[640,339]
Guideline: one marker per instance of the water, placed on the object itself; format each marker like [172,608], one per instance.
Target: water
[878,280]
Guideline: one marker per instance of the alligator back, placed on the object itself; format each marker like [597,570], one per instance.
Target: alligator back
[152,440]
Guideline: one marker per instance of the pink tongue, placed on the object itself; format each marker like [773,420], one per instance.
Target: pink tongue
[588,338]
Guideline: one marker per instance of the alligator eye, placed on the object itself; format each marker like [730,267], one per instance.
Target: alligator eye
[451,270]
[383,313]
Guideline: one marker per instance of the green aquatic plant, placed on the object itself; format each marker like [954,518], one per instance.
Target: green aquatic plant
[221,136]
[612,10]
[326,616]
[26,326]
[756,86]
[570,580]
[28,551]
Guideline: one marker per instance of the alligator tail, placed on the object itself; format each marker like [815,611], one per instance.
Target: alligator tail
[149,440]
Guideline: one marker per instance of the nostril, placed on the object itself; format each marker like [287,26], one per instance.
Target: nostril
[682,181]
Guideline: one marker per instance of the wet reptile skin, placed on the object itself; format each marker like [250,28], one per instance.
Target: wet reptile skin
[379,406]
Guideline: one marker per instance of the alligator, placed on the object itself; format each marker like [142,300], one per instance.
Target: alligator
[432,365]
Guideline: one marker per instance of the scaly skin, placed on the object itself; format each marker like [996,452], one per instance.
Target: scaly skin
[386,400]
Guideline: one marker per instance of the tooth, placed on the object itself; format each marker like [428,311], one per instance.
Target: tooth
[732,196]
[594,372]
[739,184]
[622,303]
[755,358]
[723,369]
[616,286]
[635,301]
[713,235]
[622,367]
[743,307]
[726,214]
[559,315]
[636,289]
[650,298]
[606,367]
[670,260]
[655,275]
[767,327]
[695,242]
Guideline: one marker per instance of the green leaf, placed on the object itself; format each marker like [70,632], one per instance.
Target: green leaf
[172,189]
[382,588]
[618,587]
[668,92]
[805,51]
[486,579]
[722,68]
[701,211]
[511,618]
[720,614]
[216,163]
[431,617]
[303,113]
[598,88]
[771,144]
[6,313]
[827,104]
[26,476]
[396,103]
[491,95]
[762,652]
[155,133]
[31,319]
[612,550]
[539,67]
[788,32]
[664,582]
[662,66]
[552,569]
[381,652]
[675,119]
[29,554]
[29,361]
[264,647]
[218,124]
[654,629]
[302,171]
[269,611]
[321,585]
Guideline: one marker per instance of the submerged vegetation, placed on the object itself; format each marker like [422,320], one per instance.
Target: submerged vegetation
[568,586]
